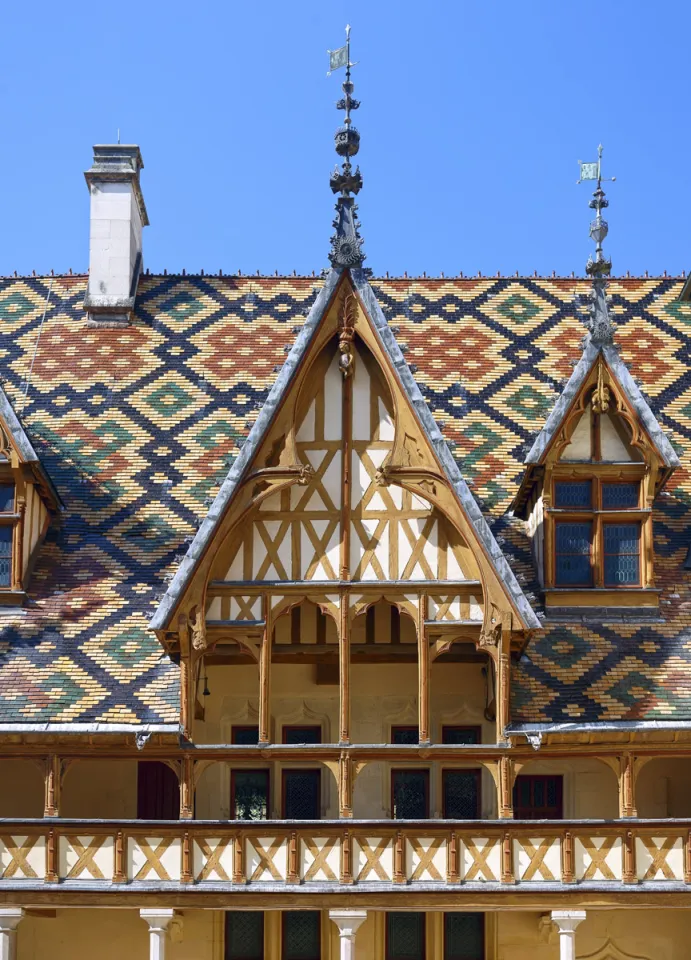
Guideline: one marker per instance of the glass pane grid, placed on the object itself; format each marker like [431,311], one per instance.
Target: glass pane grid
[410,795]
[302,795]
[464,936]
[619,496]
[5,555]
[250,794]
[244,935]
[461,795]
[622,553]
[573,553]
[576,494]
[301,935]
[405,936]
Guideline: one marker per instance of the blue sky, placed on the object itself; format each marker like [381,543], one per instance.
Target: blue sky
[473,117]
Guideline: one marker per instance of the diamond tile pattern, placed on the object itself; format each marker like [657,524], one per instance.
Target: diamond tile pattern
[137,428]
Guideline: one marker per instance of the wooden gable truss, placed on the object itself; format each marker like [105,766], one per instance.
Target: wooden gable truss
[345,503]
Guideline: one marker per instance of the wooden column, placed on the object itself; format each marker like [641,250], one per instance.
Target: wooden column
[505,788]
[627,800]
[345,786]
[423,672]
[187,788]
[187,686]
[265,676]
[504,688]
[344,670]
[52,784]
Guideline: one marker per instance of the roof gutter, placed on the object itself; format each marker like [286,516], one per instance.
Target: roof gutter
[137,729]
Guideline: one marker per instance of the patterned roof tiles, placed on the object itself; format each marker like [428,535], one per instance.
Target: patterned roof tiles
[137,428]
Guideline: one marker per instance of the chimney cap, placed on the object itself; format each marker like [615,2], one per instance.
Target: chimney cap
[118,162]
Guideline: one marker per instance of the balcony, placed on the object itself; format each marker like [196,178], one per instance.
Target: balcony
[602,858]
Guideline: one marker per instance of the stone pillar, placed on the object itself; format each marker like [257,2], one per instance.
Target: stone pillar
[9,920]
[159,921]
[348,922]
[566,922]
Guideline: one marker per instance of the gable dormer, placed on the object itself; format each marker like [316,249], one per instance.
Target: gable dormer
[27,500]
[592,477]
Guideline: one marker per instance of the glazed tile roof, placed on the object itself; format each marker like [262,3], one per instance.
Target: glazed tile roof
[137,427]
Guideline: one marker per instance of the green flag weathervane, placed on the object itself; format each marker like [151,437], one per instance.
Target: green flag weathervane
[598,227]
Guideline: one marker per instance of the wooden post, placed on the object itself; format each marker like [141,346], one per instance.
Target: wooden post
[187,788]
[629,866]
[346,857]
[503,693]
[344,669]
[238,858]
[627,802]
[423,669]
[452,874]
[186,868]
[399,859]
[687,859]
[505,782]
[507,875]
[52,784]
[187,688]
[52,858]
[119,864]
[293,876]
[265,676]
[567,862]
[345,786]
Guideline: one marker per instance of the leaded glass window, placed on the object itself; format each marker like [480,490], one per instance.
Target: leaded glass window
[572,559]
[573,494]
[245,736]
[461,736]
[6,556]
[244,935]
[464,936]
[6,498]
[620,496]
[410,794]
[249,794]
[622,554]
[301,794]
[312,734]
[405,936]
[405,735]
[538,797]
[301,935]
[461,794]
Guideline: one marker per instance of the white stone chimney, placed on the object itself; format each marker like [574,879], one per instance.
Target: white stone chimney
[118,214]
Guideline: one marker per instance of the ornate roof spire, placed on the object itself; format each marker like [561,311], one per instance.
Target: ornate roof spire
[600,324]
[346,243]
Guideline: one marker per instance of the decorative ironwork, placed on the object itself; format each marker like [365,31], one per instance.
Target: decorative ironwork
[600,324]
[346,243]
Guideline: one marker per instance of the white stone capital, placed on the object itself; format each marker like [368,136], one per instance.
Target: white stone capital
[566,922]
[9,920]
[158,920]
[348,923]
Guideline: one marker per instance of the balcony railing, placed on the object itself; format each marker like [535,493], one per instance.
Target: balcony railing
[275,855]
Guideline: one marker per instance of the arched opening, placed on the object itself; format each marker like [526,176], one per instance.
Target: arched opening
[663,788]
[103,789]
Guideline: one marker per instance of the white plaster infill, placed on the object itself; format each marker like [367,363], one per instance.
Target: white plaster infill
[158,921]
[9,920]
[348,923]
[566,922]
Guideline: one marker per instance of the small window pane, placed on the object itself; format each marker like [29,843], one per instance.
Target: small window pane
[5,555]
[405,735]
[622,553]
[301,935]
[246,736]
[250,790]
[405,936]
[302,734]
[464,936]
[573,554]
[410,794]
[461,794]
[6,497]
[619,496]
[244,935]
[574,494]
[458,736]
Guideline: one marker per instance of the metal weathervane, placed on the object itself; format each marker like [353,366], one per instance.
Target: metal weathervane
[346,242]
[599,267]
